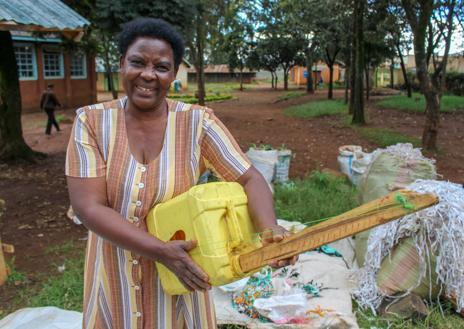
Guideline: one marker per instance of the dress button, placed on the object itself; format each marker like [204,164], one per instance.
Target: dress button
[138,314]
[136,219]
[137,287]
[138,203]
[135,261]
[143,169]
[141,185]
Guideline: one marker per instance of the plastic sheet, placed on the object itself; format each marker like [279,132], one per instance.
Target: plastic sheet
[42,318]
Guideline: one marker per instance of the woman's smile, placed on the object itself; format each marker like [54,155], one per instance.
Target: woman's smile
[148,91]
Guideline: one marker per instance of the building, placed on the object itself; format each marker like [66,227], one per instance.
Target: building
[38,30]
[320,73]
[221,73]
[383,73]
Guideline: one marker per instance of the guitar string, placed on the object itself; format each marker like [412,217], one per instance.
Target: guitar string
[222,244]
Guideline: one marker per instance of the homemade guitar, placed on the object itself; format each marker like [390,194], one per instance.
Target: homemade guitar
[229,248]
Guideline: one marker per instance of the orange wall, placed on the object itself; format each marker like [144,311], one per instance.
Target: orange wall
[70,92]
[297,74]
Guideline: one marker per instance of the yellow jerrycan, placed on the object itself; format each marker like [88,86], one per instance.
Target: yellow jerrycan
[216,216]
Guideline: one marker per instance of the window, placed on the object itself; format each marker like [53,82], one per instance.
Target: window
[25,59]
[78,66]
[53,64]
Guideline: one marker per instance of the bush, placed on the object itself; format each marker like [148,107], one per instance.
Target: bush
[455,83]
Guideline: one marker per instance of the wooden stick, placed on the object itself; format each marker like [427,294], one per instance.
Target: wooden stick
[393,206]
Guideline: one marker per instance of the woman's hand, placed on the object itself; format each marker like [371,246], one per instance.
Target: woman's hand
[275,234]
[176,258]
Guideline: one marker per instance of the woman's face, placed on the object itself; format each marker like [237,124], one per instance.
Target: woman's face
[147,70]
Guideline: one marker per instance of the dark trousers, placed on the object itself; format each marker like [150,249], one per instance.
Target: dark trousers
[51,121]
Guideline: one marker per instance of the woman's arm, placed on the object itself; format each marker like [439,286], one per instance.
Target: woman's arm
[89,201]
[261,208]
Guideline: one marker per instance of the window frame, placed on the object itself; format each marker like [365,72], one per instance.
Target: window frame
[34,61]
[84,66]
[61,62]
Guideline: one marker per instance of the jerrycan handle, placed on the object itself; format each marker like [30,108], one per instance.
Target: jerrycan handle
[236,237]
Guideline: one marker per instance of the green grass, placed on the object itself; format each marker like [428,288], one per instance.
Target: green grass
[291,95]
[416,103]
[317,109]
[316,197]
[15,276]
[386,137]
[223,87]
[193,100]
[65,290]
[435,320]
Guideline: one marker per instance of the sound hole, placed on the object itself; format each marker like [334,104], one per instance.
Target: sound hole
[178,235]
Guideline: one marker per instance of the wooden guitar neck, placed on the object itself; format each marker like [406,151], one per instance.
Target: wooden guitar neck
[393,206]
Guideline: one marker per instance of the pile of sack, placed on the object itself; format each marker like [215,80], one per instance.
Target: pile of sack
[273,164]
[422,253]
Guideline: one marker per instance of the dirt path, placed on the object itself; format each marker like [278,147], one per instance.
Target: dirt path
[37,198]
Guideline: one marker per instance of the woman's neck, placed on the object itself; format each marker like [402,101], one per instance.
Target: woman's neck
[156,113]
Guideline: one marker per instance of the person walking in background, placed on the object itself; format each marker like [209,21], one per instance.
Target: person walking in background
[48,103]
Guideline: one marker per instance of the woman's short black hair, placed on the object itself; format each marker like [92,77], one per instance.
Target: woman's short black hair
[153,28]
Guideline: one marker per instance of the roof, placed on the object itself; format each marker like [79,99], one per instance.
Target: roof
[42,15]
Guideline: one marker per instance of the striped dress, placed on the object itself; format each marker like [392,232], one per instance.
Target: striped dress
[121,289]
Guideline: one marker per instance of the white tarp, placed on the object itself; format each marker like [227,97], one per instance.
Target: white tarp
[42,318]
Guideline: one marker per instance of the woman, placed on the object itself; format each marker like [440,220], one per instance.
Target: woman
[126,156]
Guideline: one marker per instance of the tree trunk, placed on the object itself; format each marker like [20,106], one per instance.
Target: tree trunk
[12,144]
[309,71]
[347,84]
[403,70]
[275,82]
[352,66]
[331,72]
[272,79]
[111,87]
[392,73]
[330,61]
[200,66]
[367,83]
[241,78]
[432,120]
[286,79]
[109,71]
[358,104]
[419,18]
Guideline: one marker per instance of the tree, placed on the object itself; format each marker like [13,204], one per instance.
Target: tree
[377,45]
[432,24]
[358,68]
[238,45]
[276,34]
[207,18]
[333,22]
[265,56]
[399,33]
[12,144]
[303,19]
